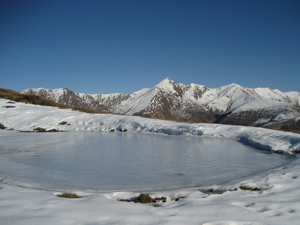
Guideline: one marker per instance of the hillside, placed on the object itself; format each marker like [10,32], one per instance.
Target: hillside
[38,100]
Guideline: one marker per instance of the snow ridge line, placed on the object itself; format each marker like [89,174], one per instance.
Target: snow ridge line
[260,138]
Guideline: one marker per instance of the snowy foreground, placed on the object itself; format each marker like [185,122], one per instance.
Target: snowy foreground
[276,203]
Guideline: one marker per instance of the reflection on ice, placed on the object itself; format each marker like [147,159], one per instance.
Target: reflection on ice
[126,161]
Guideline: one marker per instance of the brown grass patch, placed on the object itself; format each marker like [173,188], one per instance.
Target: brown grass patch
[144,198]
[69,195]
[293,131]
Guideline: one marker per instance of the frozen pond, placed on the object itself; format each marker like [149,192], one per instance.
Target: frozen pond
[126,161]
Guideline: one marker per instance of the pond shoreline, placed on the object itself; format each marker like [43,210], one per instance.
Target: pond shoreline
[273,193]
[131,161]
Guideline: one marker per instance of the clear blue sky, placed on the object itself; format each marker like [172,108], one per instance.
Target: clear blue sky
[108,46]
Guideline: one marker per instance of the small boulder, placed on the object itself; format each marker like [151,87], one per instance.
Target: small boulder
[39,129]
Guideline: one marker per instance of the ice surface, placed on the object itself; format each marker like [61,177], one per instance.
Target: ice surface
[126,161]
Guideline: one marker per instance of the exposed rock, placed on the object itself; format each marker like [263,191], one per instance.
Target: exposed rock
[39,129]
[2,127]
[212,191]
[245,188]
[9,106]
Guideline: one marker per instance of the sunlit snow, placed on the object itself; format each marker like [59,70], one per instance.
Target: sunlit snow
[276,203]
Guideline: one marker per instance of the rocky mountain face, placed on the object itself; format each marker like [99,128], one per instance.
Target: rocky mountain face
[230,104]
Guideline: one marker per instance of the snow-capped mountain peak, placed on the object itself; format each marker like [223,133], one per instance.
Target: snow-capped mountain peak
[169,85]
[231,104]
[166,83]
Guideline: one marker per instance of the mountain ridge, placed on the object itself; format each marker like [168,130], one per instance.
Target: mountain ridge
[230,104]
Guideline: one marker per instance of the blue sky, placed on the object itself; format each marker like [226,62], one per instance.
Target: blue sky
[97,46]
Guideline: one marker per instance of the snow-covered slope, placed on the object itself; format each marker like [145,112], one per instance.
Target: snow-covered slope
[26,117]
[230,104]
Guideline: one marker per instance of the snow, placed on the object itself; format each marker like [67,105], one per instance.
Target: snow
[166,84]
[231,97]
[54,94]
[277,203]
[295,96]
[138,101]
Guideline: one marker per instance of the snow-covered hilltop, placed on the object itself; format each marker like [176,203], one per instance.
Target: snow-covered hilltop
[230,104]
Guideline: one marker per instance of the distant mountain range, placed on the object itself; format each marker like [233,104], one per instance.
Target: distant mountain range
[230,104]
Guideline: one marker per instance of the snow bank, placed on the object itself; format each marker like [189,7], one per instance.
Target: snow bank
[26,117]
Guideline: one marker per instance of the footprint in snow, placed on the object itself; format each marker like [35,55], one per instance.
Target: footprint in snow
[264,209]
[249,204]
[291,211]
[232,223]
[243,204]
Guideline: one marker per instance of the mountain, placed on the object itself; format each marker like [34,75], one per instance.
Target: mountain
[230,104]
